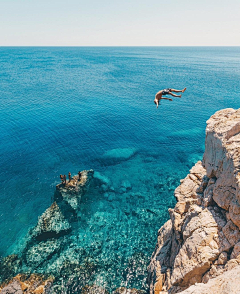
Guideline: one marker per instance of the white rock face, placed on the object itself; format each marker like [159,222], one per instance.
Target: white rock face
[221,160]
[225,283]
[12,288]
[201,240]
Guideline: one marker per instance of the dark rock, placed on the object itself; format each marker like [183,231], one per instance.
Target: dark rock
[122,190]
[104,188]
[9,266]
[111,189]
[41,252]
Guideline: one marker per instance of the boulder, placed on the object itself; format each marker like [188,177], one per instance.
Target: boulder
[69,196]
[32,284]
[12,288]
[228,282]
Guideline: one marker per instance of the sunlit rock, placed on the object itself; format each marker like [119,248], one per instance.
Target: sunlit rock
[29,284]
[202,239]
[69,195]
[13,287]
[227,282]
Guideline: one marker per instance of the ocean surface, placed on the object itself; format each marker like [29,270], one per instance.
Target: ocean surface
[65,108]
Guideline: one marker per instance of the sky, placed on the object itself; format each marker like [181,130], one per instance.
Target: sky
[120,23]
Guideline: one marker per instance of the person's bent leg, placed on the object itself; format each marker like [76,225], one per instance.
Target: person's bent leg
[156,102]
[177,91]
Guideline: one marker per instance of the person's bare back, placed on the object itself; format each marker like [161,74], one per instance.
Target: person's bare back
[168,91]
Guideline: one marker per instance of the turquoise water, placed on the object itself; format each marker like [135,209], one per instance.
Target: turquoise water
[64,109]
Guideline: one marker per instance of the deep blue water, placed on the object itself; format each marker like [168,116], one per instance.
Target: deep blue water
[63,108]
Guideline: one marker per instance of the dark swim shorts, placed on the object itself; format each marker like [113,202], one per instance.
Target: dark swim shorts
[166,91]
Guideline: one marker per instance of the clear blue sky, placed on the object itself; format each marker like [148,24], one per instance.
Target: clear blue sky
[119,23]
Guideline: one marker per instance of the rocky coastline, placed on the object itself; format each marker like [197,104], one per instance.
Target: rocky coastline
[199,246]
[197,250]
[46,245]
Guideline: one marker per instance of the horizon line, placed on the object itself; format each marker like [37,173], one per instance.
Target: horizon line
[104,46]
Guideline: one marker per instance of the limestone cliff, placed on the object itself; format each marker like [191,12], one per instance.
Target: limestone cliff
[202,239]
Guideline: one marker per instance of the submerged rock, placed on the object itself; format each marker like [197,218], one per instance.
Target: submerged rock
[9,266]
[117,155]
[111,196]
[123,290]
[101,179]
[126,184]
[94,290]
[51,224]
[41,252]
[122,190]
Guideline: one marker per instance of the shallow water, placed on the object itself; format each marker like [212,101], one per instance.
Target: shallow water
[67,109]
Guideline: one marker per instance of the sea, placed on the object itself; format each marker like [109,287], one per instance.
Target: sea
[67,109]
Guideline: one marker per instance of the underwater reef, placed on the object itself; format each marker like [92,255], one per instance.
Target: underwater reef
[197,250]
